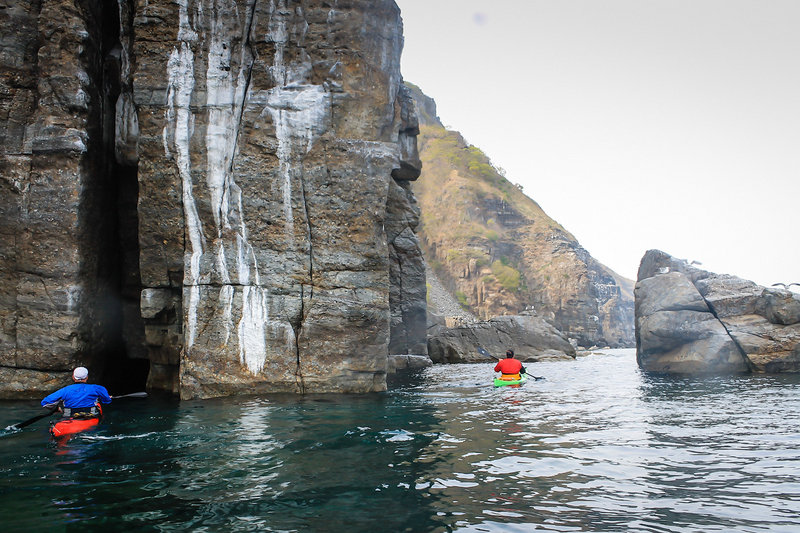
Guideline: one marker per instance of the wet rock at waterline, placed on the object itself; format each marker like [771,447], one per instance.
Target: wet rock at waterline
[408,362]
[531,338]
[217,192]
[691,321]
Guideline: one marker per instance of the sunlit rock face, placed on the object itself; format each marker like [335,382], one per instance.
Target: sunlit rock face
[271,245]
[691,321]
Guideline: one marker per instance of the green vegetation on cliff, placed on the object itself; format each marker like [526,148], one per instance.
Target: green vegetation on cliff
[499,252]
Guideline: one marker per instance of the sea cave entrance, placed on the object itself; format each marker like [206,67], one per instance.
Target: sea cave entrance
[111,318]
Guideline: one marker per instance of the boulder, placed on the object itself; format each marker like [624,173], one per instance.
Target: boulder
[408,362]
[676,331]
[781,306]
[690,320]
[531,338]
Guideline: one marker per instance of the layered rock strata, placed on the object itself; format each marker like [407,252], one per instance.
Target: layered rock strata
[218,188]
[691,321]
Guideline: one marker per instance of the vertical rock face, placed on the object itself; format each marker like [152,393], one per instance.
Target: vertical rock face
[60,251]
[266,240]
[689,320]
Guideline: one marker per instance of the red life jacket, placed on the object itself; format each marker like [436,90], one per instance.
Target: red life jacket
[508,365]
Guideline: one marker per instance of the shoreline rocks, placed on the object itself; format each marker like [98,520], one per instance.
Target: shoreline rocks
[531,338]
[691,321]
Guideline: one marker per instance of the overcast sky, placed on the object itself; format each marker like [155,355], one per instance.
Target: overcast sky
[636,124]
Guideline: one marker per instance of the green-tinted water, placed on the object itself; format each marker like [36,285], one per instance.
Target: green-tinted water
[595,447]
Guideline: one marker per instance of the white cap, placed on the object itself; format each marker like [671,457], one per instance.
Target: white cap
[80,373]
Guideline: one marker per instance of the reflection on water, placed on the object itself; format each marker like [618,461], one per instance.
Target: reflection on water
[597,446]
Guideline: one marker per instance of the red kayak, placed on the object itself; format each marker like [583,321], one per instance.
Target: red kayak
[70,426]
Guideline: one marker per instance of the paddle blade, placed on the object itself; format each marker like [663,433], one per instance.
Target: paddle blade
[485,353]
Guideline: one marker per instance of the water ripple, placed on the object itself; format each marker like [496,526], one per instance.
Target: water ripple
[597,446]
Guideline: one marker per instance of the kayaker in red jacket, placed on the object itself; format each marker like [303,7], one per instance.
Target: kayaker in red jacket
[511,368]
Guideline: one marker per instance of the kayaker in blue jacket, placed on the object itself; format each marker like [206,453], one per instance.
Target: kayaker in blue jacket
[80,398]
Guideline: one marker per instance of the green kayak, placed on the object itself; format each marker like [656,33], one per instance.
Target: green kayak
[505,383]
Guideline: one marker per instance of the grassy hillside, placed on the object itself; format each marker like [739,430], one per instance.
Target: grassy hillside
[498,251]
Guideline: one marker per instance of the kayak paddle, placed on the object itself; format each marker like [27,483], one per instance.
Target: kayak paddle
[30,421]
[39,417]
[131,395]
[487,354]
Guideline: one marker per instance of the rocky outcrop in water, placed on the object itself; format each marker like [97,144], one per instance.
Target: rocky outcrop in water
[209,195]
[531,338]
[689,320]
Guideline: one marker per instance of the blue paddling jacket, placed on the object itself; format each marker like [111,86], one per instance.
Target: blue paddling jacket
[78,395]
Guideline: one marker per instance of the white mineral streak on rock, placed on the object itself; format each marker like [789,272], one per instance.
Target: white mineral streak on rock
[126,130]
[298,110]
[225,102]
[179,94]
[221,130]
[298,113]
[220,133]
[226,302]
[179,120]
[222,266]
[252,333]
[279,35]
[185,31]
[180,71]
[241,260]
[191,318]
[73,297]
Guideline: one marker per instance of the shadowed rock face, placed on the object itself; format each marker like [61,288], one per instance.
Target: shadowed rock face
[254,157]
[693,321]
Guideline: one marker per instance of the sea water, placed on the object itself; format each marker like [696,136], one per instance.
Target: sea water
[595,446]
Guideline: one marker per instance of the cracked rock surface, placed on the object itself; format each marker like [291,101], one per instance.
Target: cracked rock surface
[690,321]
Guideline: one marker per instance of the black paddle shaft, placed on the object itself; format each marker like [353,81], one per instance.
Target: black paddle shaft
[131,395]
[30,421]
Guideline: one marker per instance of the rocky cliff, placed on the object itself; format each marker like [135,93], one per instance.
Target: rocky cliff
[691,321]
[499,253]
[211,196]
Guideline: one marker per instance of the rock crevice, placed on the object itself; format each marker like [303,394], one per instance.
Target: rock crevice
[689,320]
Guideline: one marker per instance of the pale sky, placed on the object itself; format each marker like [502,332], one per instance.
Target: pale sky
[636,124]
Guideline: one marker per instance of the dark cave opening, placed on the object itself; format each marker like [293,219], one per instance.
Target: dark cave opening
[116,338]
